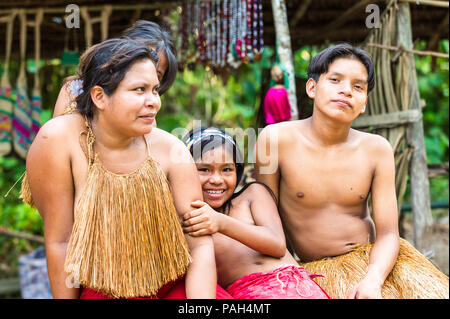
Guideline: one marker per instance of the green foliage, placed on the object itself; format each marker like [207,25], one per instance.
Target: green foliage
[434,89]
[433,80]
[229,100]
[15,214]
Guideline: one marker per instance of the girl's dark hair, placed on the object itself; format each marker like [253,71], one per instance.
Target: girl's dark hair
[320,63]
[203,139]
[151,34]
[105,64]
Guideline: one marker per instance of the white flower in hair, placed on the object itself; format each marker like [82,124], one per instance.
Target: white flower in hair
[76,87]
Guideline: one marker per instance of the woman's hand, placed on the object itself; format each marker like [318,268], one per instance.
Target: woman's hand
[202,221]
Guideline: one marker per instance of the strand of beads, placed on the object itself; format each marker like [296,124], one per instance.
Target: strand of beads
[223,30]
[258,54]
[220,32]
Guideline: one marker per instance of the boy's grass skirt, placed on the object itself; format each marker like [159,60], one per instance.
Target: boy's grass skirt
[413,275]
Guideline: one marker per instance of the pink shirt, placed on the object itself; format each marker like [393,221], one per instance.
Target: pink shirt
[276,106]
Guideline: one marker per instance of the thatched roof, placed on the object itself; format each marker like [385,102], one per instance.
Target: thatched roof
[311,22]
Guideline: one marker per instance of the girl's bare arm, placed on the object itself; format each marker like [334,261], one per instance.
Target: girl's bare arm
[265,236]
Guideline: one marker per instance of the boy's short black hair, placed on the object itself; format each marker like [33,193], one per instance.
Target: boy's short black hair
[320,63]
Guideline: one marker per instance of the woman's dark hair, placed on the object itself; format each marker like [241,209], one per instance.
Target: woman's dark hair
[320,63]
[105,64]
[204,139]
[151,34]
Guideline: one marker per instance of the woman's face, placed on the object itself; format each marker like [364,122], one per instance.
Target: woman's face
[134,104]
[217,173]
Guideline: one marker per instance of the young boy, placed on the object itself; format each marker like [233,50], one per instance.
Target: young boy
[322,172]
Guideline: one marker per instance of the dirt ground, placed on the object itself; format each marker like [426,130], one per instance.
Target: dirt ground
[436,240]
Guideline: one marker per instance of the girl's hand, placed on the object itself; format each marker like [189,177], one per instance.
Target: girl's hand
[202,221]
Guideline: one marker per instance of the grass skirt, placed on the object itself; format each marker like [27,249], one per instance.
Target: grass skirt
[413,275]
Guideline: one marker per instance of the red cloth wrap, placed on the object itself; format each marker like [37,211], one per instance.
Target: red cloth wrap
[172,290]
[285,282]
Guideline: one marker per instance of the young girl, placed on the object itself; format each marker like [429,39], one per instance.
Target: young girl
[109,192]
[250,249]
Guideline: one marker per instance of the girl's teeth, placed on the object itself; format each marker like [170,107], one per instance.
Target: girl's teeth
[215,192]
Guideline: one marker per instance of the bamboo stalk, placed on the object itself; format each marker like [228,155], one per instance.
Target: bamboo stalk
[391,105]
[300,12]
[127,7]
[418,52]
[442,4]
[378,109]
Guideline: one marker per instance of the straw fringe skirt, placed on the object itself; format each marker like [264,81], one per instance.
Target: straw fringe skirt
[413,276]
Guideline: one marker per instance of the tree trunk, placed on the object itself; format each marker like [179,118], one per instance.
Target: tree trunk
[284,50]
[420,188]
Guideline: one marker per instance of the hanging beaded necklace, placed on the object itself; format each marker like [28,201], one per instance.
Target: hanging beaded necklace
[221,32]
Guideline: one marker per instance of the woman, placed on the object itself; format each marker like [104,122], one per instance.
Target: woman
[101,179]
[148,33]
[276,102]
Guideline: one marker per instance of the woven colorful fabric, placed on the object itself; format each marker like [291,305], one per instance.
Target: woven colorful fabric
[6,109]
[285,282]
[36,104]
[22,121]
[6,104]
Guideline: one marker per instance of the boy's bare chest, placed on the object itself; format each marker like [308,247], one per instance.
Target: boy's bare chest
[315,178]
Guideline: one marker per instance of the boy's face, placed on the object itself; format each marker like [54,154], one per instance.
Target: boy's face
[340,93]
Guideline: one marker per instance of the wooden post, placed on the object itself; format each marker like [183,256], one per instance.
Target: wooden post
[418,170]
[284,49]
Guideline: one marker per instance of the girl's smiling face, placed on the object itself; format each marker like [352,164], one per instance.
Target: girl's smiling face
[217,173]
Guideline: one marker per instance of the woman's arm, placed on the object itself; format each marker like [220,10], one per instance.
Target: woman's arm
[201,278]
[266,236]
[51,183]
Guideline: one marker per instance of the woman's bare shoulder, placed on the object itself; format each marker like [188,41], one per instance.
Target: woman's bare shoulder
[164,141]
[60,130]
[168,150]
